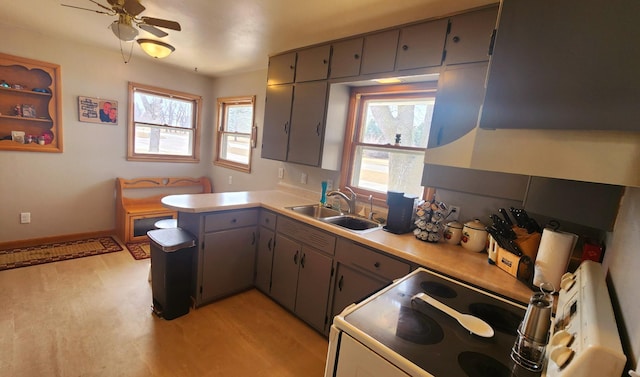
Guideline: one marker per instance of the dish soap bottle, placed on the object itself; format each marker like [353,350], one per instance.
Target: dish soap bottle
[323,197]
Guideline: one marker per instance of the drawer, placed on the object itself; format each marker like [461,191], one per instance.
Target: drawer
[267,219]
[307,234]
[230,219]
[366,259]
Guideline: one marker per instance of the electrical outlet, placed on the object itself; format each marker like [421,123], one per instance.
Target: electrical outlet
[454,213]
[230,179]
[280,173]
[303,178]
[25,217]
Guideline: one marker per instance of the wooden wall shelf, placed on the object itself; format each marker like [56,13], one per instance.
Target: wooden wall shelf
[30,74]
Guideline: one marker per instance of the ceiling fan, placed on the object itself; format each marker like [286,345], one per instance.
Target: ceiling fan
[128,12]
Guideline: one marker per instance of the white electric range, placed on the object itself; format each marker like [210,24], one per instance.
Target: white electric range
[389,334]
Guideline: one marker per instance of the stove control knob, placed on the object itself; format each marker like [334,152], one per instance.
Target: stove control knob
[567,281]
[561,338]
[561,355]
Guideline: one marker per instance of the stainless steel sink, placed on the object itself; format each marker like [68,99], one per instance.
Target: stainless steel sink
[355,223]
[315,210]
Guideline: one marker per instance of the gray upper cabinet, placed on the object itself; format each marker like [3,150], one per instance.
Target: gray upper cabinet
[282,69]
[379,52]
[307,123]
[457,107]
[565,65]
[313,63]
[345,58]
[421,46]
[277,122]
[469,37]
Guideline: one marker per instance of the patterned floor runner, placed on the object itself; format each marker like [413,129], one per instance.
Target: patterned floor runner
[139,250]
[54,252]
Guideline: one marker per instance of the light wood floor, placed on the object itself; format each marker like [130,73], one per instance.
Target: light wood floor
[92,317]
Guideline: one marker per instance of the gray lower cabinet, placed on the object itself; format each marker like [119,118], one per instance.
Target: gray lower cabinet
[360,272]
[264,254]
[226,253]
[302,267]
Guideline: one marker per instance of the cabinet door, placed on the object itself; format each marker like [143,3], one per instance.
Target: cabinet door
[314,280]
[313,64]
[457,107]
[282,69]
[421,45]
[228,262]
[307,123]
[379,52]
[469,37]
[264,259]
[352,286]
[284,275]
[565,65]
[277,116]
[346,58]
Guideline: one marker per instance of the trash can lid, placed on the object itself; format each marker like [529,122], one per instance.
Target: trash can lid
[173,239]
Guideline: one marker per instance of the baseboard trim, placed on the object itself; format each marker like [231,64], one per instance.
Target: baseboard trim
[54,239]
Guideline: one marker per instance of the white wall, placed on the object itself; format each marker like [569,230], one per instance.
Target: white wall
[72,192]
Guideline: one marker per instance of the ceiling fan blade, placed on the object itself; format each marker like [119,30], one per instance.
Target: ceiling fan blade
[133,7]
[102,6]
[161,23]
[90,10]
[153,30]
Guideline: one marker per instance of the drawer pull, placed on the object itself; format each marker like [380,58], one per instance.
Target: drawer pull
[302,260]
[269,244]
[295,258]
[376,265]
[340,282]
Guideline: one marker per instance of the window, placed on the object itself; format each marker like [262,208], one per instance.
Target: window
[164,125]
[236,134]
[386,138]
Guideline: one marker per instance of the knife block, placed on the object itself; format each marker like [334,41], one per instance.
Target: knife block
[528,243]
[520,267]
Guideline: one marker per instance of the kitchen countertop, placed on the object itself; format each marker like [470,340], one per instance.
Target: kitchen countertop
[451,260]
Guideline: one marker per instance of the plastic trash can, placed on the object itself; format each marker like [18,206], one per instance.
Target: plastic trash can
[172,253]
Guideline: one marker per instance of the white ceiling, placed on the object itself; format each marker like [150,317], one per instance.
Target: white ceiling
[220,38]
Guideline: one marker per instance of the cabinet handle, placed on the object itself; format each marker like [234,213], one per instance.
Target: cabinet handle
[324,61]
[285,127]
[405,47]
[456,39]
[340,282]
[356,56]
[233,221]
[376,265]
[318,129]
[295,258]
[292,67]
[269,244]
[253,238]
[304,255]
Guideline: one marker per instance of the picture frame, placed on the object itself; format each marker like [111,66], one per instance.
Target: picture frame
[97,110]
[28,111]
[18,136]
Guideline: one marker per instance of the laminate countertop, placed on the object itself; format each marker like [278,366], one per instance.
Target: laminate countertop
[451,260]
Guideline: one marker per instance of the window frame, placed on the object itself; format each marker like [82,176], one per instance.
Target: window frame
[223,102]
[194,157]
[352,131]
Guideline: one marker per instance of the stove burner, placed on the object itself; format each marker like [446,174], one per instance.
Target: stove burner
[438,289]
[479,365]
[417,327]
[500,319]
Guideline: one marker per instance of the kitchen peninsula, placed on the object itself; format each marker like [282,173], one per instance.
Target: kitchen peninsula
[450,260]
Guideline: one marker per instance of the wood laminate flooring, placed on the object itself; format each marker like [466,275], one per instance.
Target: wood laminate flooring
[92,317]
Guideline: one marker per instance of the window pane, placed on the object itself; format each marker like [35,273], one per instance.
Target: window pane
[372,167]
[163,140]
[162,110]
[236,148]
[410,118]
[239,118]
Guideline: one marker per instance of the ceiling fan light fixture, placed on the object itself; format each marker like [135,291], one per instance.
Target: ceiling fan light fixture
[156,49]
[124,32]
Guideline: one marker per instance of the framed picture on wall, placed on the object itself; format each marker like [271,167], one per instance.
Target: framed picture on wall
[97,110]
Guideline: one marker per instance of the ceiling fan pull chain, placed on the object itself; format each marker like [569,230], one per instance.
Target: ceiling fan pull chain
[128,58]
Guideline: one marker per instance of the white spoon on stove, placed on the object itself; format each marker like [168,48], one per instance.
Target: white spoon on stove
[469,322]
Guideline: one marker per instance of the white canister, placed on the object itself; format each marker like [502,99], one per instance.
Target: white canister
[452,233]
[474,236]
[553,257]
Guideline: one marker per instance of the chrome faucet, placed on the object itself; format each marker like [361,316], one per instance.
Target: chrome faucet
[351,201]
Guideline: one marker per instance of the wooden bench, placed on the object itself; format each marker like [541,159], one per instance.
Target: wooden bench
[138,204]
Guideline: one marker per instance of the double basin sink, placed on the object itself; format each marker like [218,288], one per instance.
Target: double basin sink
[331,216]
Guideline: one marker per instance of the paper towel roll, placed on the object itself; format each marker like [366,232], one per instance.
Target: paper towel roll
[553,257]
